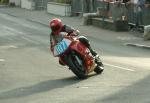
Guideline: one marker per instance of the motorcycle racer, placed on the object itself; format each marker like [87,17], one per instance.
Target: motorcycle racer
[57,26]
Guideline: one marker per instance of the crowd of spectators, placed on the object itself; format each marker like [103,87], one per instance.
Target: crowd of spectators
[128,9]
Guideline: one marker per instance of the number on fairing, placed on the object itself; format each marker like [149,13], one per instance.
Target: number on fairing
[61,47]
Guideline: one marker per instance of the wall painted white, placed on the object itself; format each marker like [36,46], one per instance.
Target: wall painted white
[59,9]
[17,2]
[27,4]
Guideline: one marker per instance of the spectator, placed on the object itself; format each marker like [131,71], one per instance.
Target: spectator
[139,8]
[127,8]
[126,1]
[88,6]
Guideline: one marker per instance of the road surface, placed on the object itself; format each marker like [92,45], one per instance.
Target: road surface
[30,74]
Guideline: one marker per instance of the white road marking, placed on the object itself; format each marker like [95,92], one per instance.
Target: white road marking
[127,38]
[8,46]
[84,87]
[2,60]
[119,67]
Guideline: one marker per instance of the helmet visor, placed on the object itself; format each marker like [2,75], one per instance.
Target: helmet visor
[55,28]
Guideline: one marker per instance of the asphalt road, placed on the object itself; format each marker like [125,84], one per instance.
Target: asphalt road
[30,74]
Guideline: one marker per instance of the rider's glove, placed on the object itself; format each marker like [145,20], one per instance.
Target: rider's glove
[77,32]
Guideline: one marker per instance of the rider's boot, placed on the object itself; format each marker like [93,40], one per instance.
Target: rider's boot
[96,56]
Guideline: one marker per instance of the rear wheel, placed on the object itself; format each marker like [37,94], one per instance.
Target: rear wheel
[76,65]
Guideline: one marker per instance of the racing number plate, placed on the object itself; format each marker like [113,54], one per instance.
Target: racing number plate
[61,47]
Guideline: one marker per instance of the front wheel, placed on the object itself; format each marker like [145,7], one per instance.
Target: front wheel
[76,64]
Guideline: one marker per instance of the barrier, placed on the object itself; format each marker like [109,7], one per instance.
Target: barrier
[116,10]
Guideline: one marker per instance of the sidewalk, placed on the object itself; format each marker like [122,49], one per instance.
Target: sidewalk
[40,16]
[43,18]
[3,5]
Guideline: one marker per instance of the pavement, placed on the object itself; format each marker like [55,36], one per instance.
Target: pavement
[3,5]
[30,74]
[42,17]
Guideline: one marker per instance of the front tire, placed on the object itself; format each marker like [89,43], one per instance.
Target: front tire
[77,68]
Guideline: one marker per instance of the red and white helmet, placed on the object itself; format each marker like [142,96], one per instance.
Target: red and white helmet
[56,26]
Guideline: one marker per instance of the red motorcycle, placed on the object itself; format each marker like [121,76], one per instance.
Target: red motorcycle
[77,56]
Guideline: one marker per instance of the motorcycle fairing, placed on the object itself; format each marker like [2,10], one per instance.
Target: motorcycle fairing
[85,53]
[61,47]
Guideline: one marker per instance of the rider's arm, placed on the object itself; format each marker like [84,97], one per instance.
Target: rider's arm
[71,31]
[52,43]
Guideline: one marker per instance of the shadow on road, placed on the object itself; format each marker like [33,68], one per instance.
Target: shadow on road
[38,88]
[139,92]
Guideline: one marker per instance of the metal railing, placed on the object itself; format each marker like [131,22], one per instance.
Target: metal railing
[41,4]
[86,6]
[132,12]
[116,11]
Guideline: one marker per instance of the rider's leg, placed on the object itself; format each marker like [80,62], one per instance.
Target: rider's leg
[86,42]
